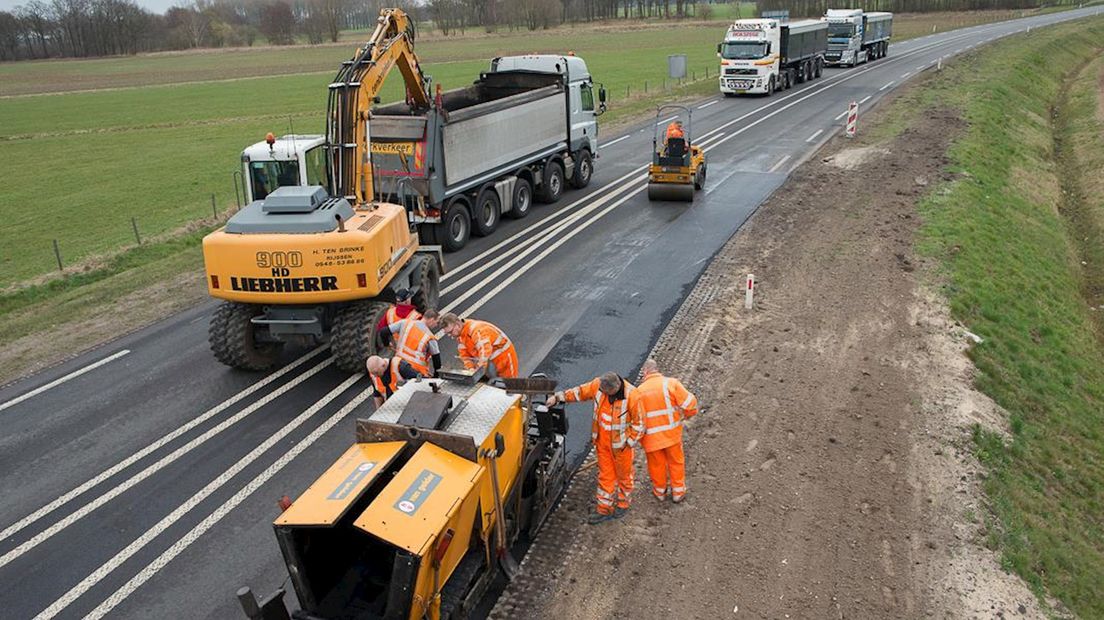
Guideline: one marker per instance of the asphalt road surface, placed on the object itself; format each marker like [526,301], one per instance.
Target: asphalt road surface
[140,480]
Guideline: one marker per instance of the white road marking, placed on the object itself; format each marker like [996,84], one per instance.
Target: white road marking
[103,571]
[921,68]
[60,380]
[702,107]
[667,120]
[842,114]
[956,51]
[814,136]
[888,84]
[612,142]
[865,99]
[193,535]
[906,74]
[781,162]
[165,461]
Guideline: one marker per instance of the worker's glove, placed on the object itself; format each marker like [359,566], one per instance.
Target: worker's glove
[554,399]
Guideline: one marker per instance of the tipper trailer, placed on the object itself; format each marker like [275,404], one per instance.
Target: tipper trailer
[765,55]
[855,37]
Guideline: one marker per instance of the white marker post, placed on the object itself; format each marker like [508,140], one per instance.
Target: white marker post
[750,291]
[852,119]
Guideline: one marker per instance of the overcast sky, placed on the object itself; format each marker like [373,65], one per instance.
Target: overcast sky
[157,6]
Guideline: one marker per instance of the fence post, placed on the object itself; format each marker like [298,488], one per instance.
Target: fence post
[57,254]
[134,225]
[645,87]
[214,209]
[627,91]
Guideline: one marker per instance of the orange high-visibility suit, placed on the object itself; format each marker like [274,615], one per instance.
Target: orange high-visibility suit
[674,130]
[398,371]
[480,343]
[664,402]
[615,429]
[416,344]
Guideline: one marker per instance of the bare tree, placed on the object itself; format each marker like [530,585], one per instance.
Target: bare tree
[38,21]
[278,23]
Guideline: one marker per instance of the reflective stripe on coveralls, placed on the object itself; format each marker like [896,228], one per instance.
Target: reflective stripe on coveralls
[413,343]
[480,341]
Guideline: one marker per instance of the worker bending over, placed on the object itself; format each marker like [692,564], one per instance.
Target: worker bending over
[615,429]
[417,344]
[401,309]
[388,374]
[664,404]
[482,345]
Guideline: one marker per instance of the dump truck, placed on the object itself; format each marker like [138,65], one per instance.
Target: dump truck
[856,37]
[416,519]
[522,132]
[320,257]
[761,56]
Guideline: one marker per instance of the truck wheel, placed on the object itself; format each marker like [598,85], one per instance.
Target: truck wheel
[488,211]
[427,277]
[353,338]
[770,86]
[699,182]
[802,71]
[584,169]
[553,185]
[231,335]
[819,68]
[455,228]
[885,49]
[523,199]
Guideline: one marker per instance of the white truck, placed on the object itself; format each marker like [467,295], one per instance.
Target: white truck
[761,56]
[524,130]
[855,37]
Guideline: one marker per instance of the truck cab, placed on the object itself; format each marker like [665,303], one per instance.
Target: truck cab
[291,160]
[845,36]
[750,54]
[585,106]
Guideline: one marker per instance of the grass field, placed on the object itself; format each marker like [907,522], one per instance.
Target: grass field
[1011,233]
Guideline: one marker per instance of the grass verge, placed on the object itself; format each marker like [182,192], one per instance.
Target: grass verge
[1018,236]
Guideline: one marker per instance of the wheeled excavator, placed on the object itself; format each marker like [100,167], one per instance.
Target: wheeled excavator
[304,262]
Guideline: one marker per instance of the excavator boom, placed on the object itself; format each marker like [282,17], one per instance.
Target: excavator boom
[352,94]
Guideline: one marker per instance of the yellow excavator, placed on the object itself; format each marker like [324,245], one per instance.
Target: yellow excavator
[323,259]
[416,520]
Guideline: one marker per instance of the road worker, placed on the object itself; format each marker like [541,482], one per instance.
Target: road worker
[615,429]
[416,343]
[401,309]
[674,144]
[664,403]
[482,345]
[674,130]
[388,374]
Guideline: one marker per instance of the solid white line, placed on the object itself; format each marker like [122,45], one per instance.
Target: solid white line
[103,571]
[781,162]
[165,461]
[888,84]
[843,114]
[865,99]
[612,142]
[59,381]
[814,136]
[702,107]
[130,460]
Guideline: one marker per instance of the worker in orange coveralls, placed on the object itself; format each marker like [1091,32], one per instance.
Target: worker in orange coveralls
[482,345]
[615,429]
[664,403]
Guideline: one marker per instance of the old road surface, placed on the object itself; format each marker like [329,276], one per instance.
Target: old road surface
[140,479]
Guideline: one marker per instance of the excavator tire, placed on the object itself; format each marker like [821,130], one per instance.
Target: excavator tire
[231,337]
[427,275]
[353,337]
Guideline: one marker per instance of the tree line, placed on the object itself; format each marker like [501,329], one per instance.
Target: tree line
[88,28]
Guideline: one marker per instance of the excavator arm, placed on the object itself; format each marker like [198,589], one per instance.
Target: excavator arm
[352,94]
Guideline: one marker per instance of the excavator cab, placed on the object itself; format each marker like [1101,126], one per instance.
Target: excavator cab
[678,165]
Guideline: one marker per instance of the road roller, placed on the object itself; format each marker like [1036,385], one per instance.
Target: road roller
[678,165]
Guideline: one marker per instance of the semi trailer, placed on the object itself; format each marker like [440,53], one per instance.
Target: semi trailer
[856,37]
[761,56]
[522,132]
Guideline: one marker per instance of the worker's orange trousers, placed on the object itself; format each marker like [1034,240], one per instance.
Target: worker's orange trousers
[506,364]
[667,465]
[615,476]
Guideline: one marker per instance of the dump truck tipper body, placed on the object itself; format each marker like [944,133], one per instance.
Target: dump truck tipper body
[522,130]
[760,56]
[855,37]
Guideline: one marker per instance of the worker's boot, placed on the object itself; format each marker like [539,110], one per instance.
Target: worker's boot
[597,517]
[619,512]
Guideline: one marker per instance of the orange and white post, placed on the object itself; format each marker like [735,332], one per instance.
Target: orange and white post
[852,119]
[749,292]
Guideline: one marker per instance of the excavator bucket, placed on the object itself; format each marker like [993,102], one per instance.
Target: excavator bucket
[671,192]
